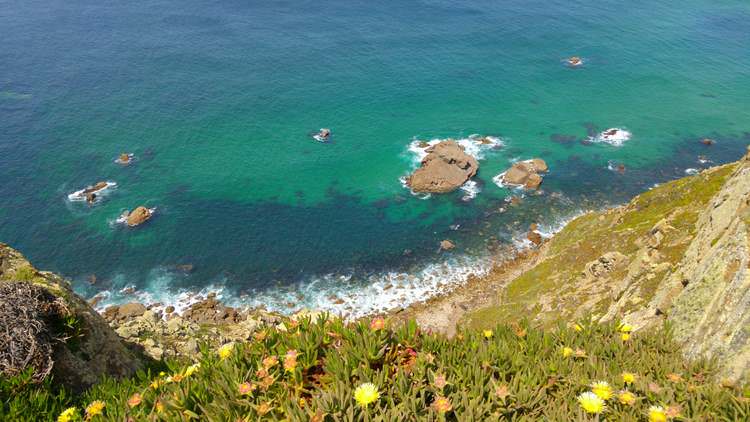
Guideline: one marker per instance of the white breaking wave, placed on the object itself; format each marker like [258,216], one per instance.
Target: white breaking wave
[338,294]
[613,136]
[471,190]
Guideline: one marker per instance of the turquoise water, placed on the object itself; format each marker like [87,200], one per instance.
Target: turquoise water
[217,101]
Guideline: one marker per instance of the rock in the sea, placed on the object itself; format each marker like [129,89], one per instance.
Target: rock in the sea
[138,216]
[447,245]
[445,168]
[525,173]
[707,141]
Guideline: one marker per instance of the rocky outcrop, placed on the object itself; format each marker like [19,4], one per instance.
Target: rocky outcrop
[525,174]
[445,168]
[138,216]
[93,350]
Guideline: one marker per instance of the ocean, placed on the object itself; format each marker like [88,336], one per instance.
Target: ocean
[218,100]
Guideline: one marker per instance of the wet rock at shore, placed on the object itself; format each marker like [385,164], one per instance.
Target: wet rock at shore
[211,311]
[138,216]
[534,237]
[445,168]
[525,174]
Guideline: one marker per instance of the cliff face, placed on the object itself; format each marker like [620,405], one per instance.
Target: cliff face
[707,297]
[679,252]
[90,349]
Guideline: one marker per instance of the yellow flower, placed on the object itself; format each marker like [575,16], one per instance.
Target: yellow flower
[602,390]
[628,377]
[162,373]
[625,336]
[626,328]
[94,408]
[225,351]
[626,397]
[442,405]
[657,414]
[135,400]
[487,333]
[591,403]
[68,414]
[191,369]
[578,327]
[567,352]
[159,406]
[366,393]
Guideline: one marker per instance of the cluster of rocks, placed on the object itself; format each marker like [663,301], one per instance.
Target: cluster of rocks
[445,168]
[164,333]
[525,174]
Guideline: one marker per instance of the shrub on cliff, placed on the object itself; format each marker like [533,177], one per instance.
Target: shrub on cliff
[326,370]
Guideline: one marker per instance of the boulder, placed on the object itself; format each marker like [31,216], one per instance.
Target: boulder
[130,310]
[138,216]
[525,173]
[445,168]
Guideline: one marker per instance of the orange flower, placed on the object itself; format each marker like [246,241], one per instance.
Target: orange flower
[442,405]
[270,362]
[264,408]
[440,381]
[675,378]
[260,336]
[246,388]
[502,392]
[290,360]
[135,400]
[377,324]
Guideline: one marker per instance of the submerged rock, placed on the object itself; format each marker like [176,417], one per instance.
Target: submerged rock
[447,245]
[445,168]
[525,173]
